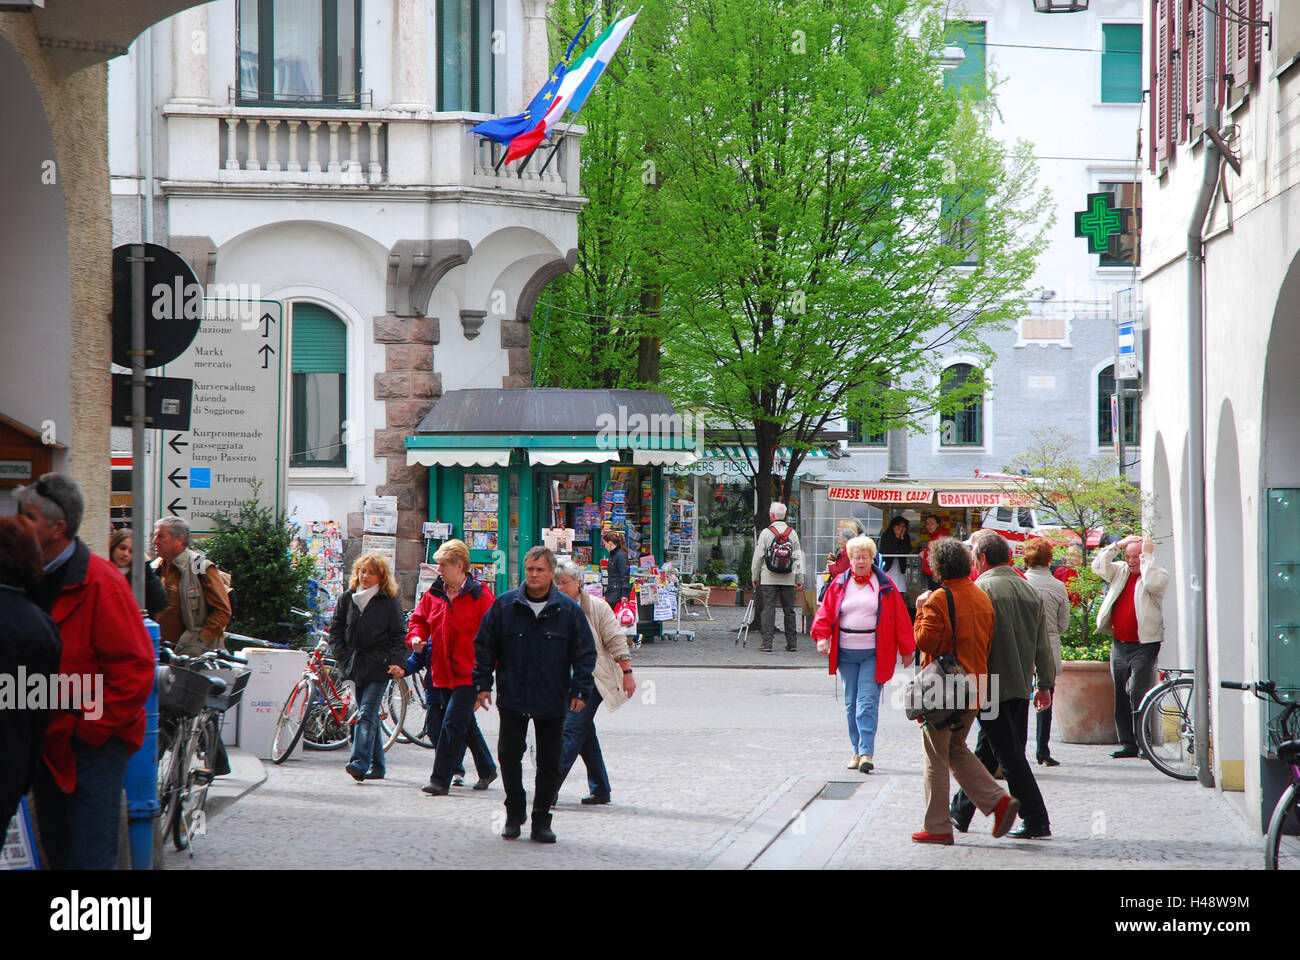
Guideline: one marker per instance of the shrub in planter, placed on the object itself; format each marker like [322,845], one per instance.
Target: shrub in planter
[1084,700]
[255,545]
[743,568]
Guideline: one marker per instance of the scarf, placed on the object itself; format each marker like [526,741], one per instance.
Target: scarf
[363,597]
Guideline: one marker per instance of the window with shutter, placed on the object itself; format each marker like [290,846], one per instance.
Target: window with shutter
[1196,73]
[1159,82]
[1242,46]
[1176,108]
[319,382]
[1121,63]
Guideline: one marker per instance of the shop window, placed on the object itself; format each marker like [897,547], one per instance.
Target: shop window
[1131,412]
[465,59]
[1126,197]
[964,426]
[1282,651]
[319,381]
[299,52]
[1121,63]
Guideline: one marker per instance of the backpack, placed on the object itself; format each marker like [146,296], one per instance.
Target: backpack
[779,557]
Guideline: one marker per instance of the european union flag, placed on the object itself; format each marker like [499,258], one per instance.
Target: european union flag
[505,129]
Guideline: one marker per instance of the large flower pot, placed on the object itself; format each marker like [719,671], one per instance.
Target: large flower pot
[722,596]
[1083,704]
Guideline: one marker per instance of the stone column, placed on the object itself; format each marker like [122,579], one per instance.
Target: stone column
[408,388]
[537,62]
[191,47]
[410,56]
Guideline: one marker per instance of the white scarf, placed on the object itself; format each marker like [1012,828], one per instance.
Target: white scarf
[363,597]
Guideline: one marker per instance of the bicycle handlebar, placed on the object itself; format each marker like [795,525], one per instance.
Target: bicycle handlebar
[1264,689]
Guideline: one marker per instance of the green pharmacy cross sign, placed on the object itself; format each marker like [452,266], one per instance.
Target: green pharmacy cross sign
[1098,223]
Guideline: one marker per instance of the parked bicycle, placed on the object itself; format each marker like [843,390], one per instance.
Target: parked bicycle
[193,695]
[417,710]
[1166,733]
[322,709]
[1282,843]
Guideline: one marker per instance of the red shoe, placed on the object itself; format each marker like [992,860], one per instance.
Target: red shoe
[1004,815]
[924,837]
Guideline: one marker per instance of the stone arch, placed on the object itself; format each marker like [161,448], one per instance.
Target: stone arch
[35,272]
[1225,555]
[1168,544]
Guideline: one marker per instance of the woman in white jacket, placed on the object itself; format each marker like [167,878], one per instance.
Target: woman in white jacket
[613,684]
[1056,612]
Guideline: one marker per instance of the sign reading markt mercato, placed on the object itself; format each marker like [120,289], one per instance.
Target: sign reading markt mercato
[236,422]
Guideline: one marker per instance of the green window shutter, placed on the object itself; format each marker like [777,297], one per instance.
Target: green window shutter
[320,343]
[968,78]
[1121,63]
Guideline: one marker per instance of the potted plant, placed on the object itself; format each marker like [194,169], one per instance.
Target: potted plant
[1083,705]
[743,575]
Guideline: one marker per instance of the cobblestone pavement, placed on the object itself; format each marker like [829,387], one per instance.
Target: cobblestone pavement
[715,643]
[720,767]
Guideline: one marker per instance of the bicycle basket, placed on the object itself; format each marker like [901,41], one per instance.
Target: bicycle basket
[183,692]
[1280,730]
[236,679]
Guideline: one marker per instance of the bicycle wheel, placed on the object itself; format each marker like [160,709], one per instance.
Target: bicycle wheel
[292,721]
[417,714]
[174,764]
[323,731]
[392,711]
[1282,847]
[193,795]
[1165,733]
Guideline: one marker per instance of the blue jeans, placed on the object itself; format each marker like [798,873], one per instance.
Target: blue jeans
[857,668]
[459,729]
[367,744]
[80,829]
[580,741]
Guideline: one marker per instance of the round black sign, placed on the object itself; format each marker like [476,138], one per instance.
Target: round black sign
[173,305]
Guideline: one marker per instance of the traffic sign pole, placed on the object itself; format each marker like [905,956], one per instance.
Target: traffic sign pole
[138,511]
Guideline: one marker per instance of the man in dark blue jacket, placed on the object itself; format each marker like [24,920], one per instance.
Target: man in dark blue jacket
[540,647]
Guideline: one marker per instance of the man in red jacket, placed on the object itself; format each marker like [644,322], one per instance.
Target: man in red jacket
[79,786]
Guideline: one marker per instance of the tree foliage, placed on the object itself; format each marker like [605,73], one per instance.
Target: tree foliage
[269,577]
[824,223]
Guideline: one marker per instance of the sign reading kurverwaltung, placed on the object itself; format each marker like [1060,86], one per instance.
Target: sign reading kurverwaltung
[235,440]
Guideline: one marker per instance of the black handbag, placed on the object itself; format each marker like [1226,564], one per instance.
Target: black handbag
[936,694]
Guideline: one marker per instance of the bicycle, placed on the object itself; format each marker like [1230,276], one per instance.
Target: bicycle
[1166,733]
[193,696]
[1282,842]
[414,724]
[322,710]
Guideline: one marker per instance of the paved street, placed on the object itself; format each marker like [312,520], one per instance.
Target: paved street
[722,768]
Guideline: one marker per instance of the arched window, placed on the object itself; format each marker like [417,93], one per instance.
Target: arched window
[964,426]
[320,364]
[1129,408]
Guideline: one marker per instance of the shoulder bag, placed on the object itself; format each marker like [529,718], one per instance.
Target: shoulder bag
[933,694]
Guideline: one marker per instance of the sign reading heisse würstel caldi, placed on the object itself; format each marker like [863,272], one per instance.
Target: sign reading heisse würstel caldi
[237,363]
[880,494]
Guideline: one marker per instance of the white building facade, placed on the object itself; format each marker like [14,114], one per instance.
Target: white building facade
[1250,348]
[319,153]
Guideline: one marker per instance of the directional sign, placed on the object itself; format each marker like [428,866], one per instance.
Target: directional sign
[1126,351]
[235,440]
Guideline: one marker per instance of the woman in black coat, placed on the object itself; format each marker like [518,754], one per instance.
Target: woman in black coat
[29,641]
[120,552]
[619,568]
[368,639]
[896,540]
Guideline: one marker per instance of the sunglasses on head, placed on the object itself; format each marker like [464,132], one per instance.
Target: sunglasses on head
[43,489]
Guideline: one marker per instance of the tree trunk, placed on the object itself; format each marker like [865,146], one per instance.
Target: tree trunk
[647,350]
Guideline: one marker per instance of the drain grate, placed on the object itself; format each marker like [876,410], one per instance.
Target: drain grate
[839,790]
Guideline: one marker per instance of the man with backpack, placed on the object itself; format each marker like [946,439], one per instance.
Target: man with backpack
[198,606]
[777,571]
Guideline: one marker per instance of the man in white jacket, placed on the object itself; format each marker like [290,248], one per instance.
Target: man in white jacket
[1131,613]
[777,587]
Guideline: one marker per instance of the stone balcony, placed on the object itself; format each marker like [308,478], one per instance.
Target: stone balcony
[236,149]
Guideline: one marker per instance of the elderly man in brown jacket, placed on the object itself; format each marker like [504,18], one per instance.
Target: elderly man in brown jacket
[198,607]
[1020,651]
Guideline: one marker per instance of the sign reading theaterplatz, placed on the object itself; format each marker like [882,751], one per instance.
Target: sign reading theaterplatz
[235,435]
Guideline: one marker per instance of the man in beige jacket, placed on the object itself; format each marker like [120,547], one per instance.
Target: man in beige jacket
[1132,614]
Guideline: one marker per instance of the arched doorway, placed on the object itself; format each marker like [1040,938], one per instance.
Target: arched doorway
[1168,547]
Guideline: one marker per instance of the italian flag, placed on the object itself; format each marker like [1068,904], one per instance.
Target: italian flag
[575,87]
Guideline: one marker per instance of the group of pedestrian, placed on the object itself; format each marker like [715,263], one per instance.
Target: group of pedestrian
[1004,629]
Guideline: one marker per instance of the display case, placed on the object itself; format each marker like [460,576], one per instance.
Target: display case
[1282,651]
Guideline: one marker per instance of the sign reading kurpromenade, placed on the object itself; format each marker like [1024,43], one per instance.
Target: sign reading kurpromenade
[235,438]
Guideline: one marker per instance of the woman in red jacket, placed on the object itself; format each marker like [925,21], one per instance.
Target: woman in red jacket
[447,618]
[863,627]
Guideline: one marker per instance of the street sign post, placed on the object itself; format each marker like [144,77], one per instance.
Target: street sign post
[236,431]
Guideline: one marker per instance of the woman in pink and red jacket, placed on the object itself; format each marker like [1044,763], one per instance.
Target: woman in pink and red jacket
[863,627]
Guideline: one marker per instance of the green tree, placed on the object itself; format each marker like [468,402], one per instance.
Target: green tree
[268,576]
[1086,499]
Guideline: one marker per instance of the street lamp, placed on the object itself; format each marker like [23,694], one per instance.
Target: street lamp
[1060,6]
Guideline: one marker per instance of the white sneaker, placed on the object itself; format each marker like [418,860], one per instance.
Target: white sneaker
[864,764]
[853,764]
